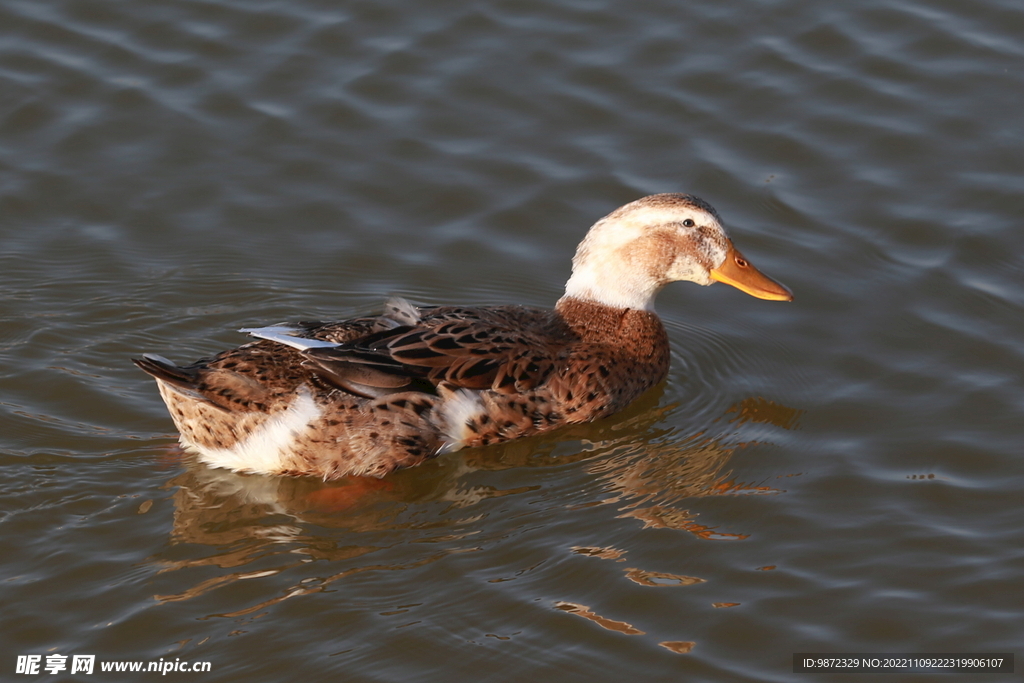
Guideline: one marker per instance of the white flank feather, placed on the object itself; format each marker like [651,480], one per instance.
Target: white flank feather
[457,409]
[266,450]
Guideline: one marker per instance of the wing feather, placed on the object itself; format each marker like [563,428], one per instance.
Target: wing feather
[507,349]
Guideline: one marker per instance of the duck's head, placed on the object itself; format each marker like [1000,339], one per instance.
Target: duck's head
[630,254]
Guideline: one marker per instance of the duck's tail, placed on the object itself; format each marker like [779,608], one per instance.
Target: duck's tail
[166,371]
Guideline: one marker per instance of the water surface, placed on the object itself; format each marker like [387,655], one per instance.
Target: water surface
[838,474]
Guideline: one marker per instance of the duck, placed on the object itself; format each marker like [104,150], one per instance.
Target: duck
[366,396]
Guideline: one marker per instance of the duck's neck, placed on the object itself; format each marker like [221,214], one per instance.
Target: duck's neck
[579,313]
[586,284]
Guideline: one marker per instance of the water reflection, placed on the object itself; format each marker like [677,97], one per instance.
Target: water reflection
[603,622]
[647,477]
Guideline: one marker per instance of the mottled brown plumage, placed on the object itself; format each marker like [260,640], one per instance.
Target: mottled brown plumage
[369,395]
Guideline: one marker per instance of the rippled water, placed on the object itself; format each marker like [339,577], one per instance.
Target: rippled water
[839,474]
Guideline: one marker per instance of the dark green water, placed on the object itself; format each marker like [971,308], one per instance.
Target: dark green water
[839,474]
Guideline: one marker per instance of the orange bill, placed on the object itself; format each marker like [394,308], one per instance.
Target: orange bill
[738,272]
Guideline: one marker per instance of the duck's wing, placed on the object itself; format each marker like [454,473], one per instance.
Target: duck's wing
[510,349]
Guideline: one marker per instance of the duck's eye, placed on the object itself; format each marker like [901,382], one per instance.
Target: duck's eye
[689,223]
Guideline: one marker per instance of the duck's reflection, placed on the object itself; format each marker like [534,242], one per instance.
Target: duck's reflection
[646,478]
